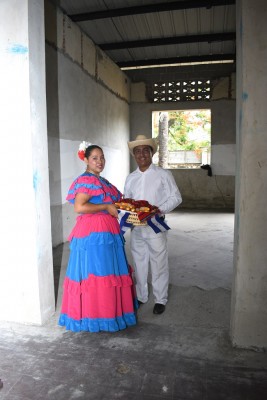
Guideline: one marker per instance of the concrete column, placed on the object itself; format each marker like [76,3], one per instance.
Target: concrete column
[163,139]
[249,295]
[26,271]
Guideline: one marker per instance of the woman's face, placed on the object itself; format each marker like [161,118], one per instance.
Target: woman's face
[95,162]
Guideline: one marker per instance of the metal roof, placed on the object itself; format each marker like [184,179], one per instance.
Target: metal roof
[137,33]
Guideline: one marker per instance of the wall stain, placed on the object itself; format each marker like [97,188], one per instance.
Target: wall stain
[244,96]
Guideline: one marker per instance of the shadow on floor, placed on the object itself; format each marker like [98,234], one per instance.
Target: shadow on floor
[57,265]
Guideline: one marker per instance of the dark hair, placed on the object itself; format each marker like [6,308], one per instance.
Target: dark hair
[90,148]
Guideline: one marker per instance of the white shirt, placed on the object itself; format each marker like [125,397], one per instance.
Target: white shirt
[156,185]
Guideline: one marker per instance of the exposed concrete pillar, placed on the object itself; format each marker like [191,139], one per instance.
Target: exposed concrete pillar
[249,296]
[26,272]
[163,139]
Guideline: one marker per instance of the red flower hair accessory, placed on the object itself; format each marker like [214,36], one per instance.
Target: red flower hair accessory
[82,148]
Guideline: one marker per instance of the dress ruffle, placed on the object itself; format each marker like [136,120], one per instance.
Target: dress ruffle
[100,254]
[97,324]
[100,282]
[95,297]
[88,223]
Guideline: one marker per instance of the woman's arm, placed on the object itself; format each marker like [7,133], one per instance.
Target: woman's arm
[81,205]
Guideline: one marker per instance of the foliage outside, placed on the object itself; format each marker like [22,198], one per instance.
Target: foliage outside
[187,129]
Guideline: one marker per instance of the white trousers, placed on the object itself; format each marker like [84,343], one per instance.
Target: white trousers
[149,248]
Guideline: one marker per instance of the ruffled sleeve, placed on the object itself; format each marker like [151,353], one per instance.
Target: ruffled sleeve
[99,189]
[87,184]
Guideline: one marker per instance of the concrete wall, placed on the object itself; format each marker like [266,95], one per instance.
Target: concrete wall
[202,192]
[87,99]
[197,188]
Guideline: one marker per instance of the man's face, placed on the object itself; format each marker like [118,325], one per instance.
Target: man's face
[143,156]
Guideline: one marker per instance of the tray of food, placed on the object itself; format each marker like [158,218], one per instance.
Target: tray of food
[139,210]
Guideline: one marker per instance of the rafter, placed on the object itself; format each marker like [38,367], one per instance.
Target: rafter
[150,8]
[215,37]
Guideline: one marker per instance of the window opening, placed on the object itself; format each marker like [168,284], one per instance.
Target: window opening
[184,138]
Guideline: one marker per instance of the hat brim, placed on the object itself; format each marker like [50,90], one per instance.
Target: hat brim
[144,142]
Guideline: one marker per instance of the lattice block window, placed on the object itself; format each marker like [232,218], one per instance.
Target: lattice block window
[181,91]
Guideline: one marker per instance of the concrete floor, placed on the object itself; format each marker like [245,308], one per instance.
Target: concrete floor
[182,354]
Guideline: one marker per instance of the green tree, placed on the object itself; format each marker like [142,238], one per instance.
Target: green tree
[183,124]
[187,129]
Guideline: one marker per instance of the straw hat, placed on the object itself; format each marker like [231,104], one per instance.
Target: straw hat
[142,140]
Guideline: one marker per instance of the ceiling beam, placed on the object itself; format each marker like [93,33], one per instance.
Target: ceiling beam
[150,8]
[176,60]
[215,37]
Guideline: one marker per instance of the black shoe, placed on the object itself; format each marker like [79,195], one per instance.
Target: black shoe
[140,302]
[158,308]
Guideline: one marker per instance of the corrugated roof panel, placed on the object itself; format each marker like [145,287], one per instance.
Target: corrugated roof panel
[135,27]
[196,21]
[181,50]
[99,32]
[224,18]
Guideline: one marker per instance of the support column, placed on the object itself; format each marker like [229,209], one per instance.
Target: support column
[26,268]
[249,294]
[163,139]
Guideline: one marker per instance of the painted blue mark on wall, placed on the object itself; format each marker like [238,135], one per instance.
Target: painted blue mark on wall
[244,96]
[35,181]
[17,49]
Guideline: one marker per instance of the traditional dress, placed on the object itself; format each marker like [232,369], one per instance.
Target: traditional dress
[98,293]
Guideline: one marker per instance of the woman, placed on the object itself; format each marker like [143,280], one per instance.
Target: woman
[98,288]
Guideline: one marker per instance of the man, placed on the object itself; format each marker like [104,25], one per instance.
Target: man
[158,187]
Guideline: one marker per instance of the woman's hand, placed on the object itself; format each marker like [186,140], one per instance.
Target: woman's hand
[112,210]
[82,205]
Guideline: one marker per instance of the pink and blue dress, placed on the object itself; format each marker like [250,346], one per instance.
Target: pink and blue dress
[98,291]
